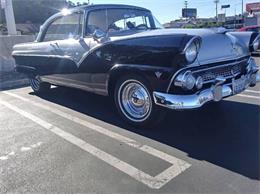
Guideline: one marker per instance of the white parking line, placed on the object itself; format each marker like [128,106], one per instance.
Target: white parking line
[252,91]
[101,130]
[249,96]
[153,182]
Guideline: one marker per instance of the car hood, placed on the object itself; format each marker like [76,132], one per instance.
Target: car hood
[216,46]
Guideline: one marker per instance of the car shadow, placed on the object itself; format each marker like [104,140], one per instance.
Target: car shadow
[226,134]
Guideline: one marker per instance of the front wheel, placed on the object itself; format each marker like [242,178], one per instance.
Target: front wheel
[133,99]
[38,86]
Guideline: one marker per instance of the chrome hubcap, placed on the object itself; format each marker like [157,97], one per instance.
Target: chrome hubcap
[135,101]
[35,83]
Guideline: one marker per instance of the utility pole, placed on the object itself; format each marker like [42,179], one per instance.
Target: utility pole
[242,15]
[7,5]
[235,18]
[1,15]
[185,6]
[216,2]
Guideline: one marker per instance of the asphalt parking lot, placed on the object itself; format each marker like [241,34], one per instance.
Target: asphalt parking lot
[69,141]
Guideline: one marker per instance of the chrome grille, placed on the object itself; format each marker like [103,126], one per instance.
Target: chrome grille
[226,71]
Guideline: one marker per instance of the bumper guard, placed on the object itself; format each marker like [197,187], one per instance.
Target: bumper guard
[215,93]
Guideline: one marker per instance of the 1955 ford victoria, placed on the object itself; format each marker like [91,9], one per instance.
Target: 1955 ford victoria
[122,51]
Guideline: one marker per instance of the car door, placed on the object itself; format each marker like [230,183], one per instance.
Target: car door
[92,71]
[65,46]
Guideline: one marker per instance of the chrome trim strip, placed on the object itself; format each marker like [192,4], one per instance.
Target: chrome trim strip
[61,83]
[45,56]
[80,86]
[87,53]
[220,66]
[173,77]
[191,41]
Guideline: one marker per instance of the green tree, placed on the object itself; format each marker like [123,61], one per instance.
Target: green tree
[37,11]
[1,16]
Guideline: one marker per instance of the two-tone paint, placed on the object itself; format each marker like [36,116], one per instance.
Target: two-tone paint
[92,65]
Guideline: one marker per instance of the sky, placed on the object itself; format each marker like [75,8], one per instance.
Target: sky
[167,10]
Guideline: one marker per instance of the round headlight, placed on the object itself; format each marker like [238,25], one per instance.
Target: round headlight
[191,52]
[256,45]
[189,81]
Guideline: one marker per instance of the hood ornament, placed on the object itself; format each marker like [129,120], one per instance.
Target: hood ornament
[221,30]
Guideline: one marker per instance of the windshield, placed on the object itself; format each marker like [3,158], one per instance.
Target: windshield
[157,24]
[116,20]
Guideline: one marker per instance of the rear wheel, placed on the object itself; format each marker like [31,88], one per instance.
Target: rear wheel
[38,86]
[133,99]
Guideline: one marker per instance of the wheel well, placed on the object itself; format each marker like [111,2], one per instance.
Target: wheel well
[115,76]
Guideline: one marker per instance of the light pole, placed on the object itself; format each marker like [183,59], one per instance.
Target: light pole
[7,5]
[185,9]
[242,15]
[216,2]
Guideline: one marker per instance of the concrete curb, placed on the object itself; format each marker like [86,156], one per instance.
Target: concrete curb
[14,84]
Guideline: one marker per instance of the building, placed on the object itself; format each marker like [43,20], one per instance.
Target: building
[234,22]
[180,24]
[253,14]
[191,23]
[253,8]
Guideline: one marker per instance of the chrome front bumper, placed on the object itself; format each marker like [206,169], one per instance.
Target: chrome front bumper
[215,93]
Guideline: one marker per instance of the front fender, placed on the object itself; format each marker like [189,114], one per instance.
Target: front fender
[246,37]
[157,77]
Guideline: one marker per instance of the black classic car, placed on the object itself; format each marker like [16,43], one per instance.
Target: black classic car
[122,51]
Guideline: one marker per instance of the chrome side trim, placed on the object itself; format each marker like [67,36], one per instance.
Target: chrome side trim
[191,41]
[79,86]
[87,53]
[45,56]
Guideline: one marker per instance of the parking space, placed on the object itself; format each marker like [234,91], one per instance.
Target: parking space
[70,141]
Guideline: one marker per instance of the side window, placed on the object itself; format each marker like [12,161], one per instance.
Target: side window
[113,20]
[65,27]
[97,20]
[136,21]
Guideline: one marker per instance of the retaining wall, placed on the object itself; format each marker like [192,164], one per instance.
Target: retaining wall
[9,78]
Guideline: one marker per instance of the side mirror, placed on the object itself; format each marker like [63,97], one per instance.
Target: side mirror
[98,34]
